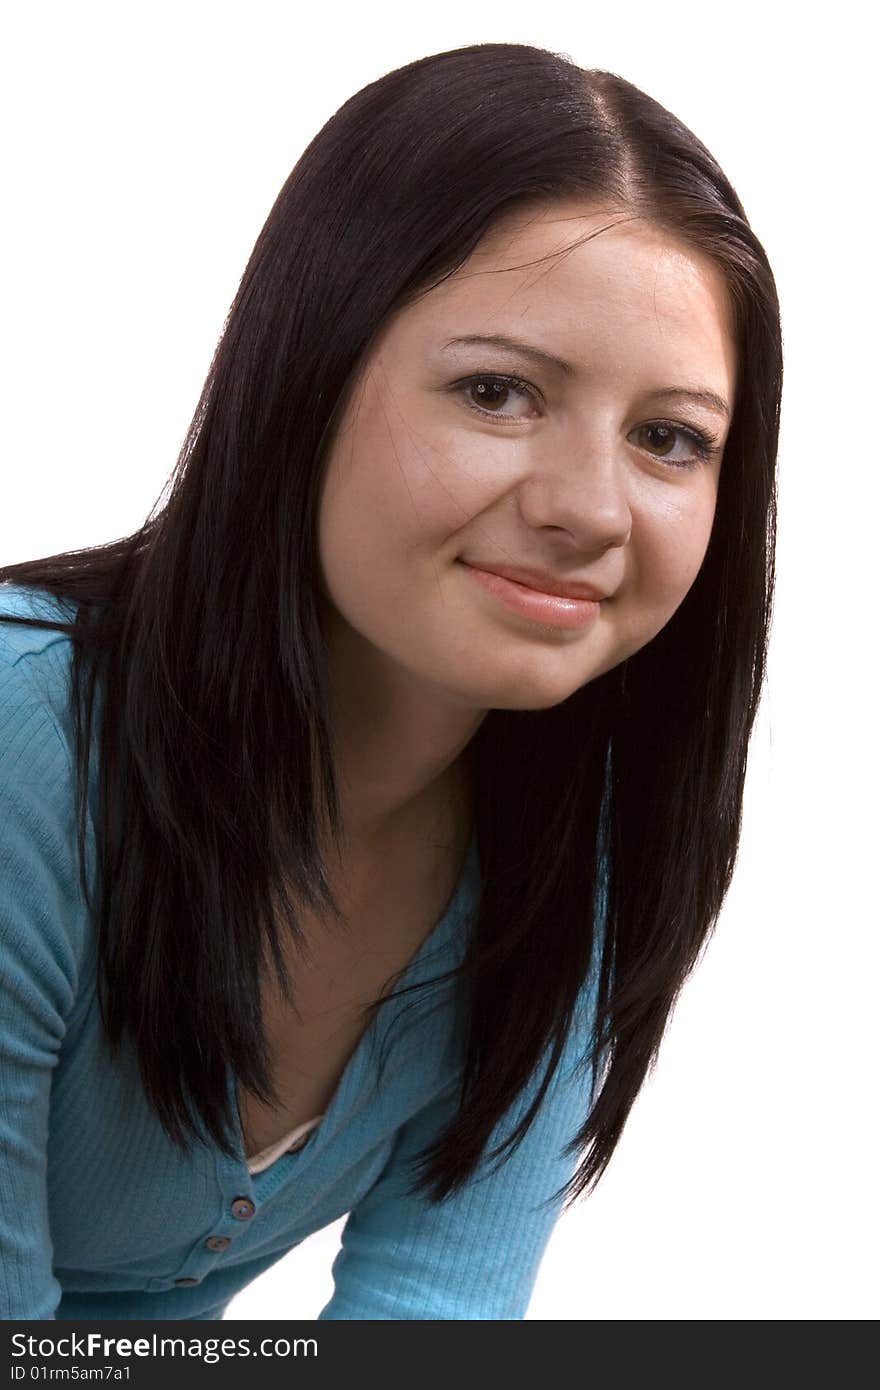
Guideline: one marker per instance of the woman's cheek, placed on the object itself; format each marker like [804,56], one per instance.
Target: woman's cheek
[680,538]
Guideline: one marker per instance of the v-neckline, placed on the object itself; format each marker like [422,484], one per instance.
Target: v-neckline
[438,938]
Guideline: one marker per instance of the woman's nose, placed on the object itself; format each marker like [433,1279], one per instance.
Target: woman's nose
[584,495]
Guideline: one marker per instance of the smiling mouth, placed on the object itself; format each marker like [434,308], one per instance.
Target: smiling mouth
[550,610]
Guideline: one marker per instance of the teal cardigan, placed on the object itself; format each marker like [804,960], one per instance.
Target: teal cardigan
[102,1217]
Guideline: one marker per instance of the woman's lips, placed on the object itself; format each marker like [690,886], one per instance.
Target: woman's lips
[534,603]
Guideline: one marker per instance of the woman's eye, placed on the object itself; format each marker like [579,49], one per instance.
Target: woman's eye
[493,395]
[661,436]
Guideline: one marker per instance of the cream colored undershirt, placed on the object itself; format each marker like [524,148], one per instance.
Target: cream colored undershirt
[294,1140]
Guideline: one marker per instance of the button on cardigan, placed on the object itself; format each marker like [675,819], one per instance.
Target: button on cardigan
[102,1217]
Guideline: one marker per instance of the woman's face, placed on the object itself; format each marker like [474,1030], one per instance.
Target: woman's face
[457,455]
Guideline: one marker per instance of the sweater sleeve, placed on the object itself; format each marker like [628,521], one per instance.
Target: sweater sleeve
[38,972]
[476,1255]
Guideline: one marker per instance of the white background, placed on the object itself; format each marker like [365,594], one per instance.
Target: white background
[145,146]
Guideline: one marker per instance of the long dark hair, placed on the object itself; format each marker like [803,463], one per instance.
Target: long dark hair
[203,629]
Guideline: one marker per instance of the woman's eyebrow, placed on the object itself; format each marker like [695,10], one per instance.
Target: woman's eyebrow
[700,394]
[514,345]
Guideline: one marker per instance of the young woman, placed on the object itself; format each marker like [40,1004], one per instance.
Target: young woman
[364,812]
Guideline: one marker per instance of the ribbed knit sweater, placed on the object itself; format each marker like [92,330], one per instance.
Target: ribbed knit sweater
[101,1216]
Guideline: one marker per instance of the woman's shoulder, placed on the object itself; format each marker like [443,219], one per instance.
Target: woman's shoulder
[34,673]
[18,640]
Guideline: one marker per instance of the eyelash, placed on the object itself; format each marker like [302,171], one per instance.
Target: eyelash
[703,442]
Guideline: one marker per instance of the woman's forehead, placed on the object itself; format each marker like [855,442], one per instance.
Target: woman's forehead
[582,283]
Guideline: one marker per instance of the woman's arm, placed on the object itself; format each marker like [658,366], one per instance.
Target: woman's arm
[476,1256]
[38,970]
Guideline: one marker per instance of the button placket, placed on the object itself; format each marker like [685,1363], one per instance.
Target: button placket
[241,1209]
